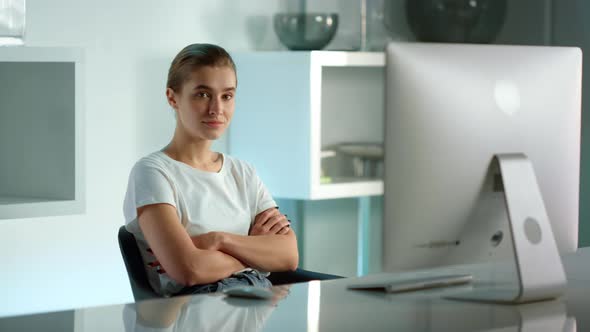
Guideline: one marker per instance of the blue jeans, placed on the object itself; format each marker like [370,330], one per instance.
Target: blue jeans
[246,278]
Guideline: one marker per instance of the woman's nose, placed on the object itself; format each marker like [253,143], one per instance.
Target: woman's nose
[215,107]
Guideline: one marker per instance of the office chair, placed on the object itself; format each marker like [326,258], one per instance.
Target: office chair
[140,285]
[143,291]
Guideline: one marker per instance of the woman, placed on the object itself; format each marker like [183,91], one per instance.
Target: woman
[203,220]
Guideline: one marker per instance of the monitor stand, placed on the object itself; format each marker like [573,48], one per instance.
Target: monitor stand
[540,272]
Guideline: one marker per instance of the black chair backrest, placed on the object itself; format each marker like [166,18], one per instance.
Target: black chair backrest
[134,264]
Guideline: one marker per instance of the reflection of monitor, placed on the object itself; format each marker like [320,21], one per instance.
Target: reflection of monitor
[449,110]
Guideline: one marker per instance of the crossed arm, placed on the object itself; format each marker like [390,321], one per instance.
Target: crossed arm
[271,246]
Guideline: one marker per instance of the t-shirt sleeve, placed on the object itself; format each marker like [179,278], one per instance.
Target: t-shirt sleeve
[148,184]
[264,199]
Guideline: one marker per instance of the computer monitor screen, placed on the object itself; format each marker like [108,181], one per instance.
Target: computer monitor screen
[449,109]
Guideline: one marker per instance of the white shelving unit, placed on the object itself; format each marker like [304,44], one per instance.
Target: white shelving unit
[291,106]
[41,132]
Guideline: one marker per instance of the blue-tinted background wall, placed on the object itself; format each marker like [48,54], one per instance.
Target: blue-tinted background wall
[57,262]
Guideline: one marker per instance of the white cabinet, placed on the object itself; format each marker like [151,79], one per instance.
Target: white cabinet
[311,122]
[41,136]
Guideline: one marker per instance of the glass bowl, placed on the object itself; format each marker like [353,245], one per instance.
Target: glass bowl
[309,31]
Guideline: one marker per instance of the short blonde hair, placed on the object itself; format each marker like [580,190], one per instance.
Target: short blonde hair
[193,57]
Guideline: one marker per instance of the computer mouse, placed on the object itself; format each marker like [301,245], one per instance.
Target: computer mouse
[249,292]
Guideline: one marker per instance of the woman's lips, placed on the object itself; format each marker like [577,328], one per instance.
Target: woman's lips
[213,124]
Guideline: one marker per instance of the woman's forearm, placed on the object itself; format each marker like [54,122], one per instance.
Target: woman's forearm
[208,266]
[271,253]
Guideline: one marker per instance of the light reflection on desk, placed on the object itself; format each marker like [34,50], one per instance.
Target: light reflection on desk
[313,306]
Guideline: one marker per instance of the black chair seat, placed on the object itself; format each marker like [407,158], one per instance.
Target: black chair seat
[143,291]
[299,275]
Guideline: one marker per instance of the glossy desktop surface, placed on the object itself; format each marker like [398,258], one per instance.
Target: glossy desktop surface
[330,306]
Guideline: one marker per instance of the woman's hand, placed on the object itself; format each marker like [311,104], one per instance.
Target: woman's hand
[270,222]
[280,292]
[208,241]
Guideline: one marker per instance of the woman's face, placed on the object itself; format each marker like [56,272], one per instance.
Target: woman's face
[205,104]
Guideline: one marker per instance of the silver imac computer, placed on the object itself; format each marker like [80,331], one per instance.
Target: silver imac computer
[465,122]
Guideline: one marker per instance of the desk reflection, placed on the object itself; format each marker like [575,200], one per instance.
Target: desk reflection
[208,312]
[428,310]
[546,316]
[317,307]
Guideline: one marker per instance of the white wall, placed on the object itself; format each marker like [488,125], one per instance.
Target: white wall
[74,261]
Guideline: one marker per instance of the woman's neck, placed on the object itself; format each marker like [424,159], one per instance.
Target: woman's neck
[195,153]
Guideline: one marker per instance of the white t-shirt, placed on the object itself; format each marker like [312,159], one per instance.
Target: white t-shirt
[226,201]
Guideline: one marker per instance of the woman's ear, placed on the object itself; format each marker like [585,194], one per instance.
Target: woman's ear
[171,97]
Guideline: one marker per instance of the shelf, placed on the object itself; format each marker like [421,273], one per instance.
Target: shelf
[347,59]
[41,141]
[290,106]
[5,200]
[27,207]
[348,189]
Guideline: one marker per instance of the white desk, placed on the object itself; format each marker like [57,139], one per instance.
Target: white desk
[329,306]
